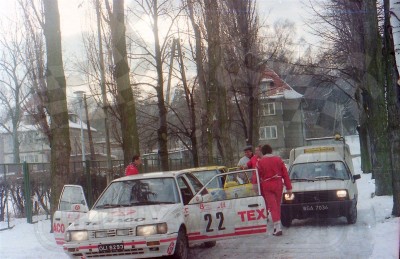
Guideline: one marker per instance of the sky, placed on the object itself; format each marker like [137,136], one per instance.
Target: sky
[74,18]
[375,235]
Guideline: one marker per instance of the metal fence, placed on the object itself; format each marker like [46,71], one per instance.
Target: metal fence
[25,188]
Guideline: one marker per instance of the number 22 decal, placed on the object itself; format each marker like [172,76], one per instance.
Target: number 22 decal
[208,217]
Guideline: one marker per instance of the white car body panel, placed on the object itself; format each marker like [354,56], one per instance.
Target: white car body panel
[203,220]
[74,210]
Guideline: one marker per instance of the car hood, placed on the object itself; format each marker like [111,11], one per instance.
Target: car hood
[320,185]
[127,217]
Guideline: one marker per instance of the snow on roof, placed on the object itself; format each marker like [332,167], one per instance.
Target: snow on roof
[73,125]
[24,127]
[280,89]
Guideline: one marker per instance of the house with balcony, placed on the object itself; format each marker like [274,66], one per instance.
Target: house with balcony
[280,114]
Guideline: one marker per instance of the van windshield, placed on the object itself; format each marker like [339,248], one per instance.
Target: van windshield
[319,171]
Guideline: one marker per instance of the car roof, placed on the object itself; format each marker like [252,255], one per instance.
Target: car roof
[204,168]
[165,174]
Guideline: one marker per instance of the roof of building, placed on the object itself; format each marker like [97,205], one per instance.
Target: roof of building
[25,127]
[280,88]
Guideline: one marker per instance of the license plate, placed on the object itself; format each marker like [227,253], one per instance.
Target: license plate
[111,247]
[315,207]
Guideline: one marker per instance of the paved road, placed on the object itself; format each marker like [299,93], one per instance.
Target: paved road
[310,238]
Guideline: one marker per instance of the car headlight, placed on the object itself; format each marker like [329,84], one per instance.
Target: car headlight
[289,197]
[76,235]
[147,230]
[341,193]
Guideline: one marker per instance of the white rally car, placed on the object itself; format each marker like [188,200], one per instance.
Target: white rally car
[151,215]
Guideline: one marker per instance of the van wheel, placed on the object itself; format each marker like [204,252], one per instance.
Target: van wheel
[182,246]
[286,221]
[352,215]
[210,244]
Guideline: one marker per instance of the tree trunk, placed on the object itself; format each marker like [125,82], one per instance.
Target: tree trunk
[57,102]
[214,61]
[393,95]
[199,57]
[162,132]
[375,101]
[191,106]
[125,100]
[363,134]
[16,143]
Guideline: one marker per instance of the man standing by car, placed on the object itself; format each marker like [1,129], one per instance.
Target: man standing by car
[132,168]
[248,154]
[272,171]
[252,164]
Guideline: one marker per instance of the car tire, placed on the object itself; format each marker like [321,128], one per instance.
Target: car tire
[210,244]
[182,246]
[352,215]
[286,220]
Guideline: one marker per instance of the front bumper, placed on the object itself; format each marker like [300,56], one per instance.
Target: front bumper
[329,209]
[135,247]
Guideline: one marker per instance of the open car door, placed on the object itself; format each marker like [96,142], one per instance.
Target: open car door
[72,205]
[213,217]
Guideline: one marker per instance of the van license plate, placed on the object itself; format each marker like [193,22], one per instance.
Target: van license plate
[315,207]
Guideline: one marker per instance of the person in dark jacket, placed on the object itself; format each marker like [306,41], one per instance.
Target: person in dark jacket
[272,171]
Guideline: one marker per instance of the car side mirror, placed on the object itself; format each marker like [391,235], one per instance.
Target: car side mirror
[356,177]
[79,208]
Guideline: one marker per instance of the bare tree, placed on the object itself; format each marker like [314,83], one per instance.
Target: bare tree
[57,101]
[13,88]
[196,22]
[393,96]
[125,101]
[36,107]
[375,101]
[244,62]
[184,109]
[341,28]
[152,60]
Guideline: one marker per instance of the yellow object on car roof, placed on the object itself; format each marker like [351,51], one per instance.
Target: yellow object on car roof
[319,149]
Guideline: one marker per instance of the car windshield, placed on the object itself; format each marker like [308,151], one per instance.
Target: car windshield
[139,192]
[206,175]
[319,171]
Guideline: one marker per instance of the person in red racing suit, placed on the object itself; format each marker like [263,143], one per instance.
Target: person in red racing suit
[132,168]
[272,171]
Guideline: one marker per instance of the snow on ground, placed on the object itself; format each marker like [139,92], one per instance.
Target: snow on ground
[375,235]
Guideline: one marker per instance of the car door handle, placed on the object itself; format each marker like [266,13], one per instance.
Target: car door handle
[253,205]
[57,218]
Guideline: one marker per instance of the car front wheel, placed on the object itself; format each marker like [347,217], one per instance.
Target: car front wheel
[182,246]
[352,215]
[286,220]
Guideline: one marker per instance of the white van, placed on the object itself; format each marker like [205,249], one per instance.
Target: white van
[324,183]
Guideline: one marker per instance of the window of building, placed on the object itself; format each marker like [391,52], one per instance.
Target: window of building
[266,84]
[268,109]
[268,132]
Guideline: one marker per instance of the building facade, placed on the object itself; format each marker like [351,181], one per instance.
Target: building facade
[280,114]
[34,146]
